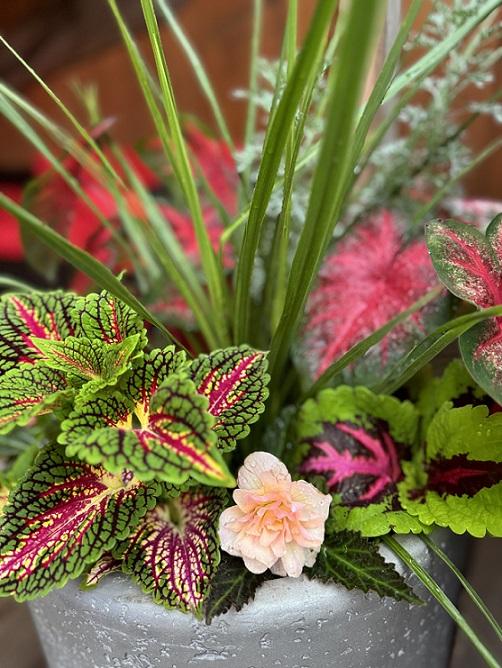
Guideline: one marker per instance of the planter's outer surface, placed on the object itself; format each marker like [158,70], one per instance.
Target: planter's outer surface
[292,623]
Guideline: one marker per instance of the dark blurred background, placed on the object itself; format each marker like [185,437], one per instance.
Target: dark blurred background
[69,41]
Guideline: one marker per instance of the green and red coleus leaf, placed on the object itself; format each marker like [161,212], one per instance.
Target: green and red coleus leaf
[28,391]
[174,553]
[356,441]
[373,275]
[456,481]
[89,362]
[105,565]
[25,318]
[234,380]
[63,515]
[470,265]
[102,316]
[167,436]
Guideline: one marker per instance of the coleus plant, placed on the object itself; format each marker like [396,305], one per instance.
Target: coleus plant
[134,427]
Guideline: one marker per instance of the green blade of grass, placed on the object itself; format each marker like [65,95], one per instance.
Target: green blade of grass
[359,349]
[212,269]
[433,588]
[335,162]
[82,261]
[275,140]
[431,346]
[198,69]
[469,590]
[67,113]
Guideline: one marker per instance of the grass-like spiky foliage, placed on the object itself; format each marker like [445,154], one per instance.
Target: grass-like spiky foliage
[141,436]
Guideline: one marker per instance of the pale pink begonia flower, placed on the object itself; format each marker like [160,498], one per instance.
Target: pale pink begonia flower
[277,523]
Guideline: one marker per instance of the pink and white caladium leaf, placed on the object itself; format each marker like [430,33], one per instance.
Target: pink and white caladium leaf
[102,316]
[89,363]
[165,434]
[456,481]
[355,441]
[174,553]
[28,391]
[470,265]
[25,318]
[372,276]
[63,515]
[234,380]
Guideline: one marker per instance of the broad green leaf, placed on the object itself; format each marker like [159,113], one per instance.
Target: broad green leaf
[25,317]
[348,559]
[457,481]
[89,362]
[232,587]
[235,382]
[28,391]
[63,515]
[172,441]
[174,553]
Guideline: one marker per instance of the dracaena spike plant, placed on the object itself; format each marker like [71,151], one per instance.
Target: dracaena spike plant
[225,337]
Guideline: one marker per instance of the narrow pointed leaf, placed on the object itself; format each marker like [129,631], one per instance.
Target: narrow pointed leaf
[173,441]
[63,515]
[235,382]
[348,559]
[232,587]
[457,482]
[174,553]
[28,391]
[25,317]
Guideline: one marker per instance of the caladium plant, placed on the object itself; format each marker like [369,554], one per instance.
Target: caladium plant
[469,263]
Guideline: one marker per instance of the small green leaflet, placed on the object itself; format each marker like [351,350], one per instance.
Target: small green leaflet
[174,553]
[89,361]
[235,382]
[106,318]
[28,391]
[171,442]
[34,315]
[457,482]
[63,515]
[105,565]
[232,587]
[355,562]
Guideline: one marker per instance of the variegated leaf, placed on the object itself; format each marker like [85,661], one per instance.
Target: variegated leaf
[89,361]
[174,553]
[105,565]
[25,317]
[63,515]
[106,318]
[457,481]
[355,441]
[28,391]
[172,441]
[465,262]
[235,382]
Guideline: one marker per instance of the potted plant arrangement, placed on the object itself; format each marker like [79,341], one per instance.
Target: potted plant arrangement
[233,407]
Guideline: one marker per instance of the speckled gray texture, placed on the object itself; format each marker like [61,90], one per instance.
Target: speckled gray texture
[291,624]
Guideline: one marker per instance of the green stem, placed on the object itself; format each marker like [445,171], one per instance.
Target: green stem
[435,590]
[470,591]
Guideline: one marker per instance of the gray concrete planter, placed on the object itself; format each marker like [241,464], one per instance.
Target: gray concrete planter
[293,623]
